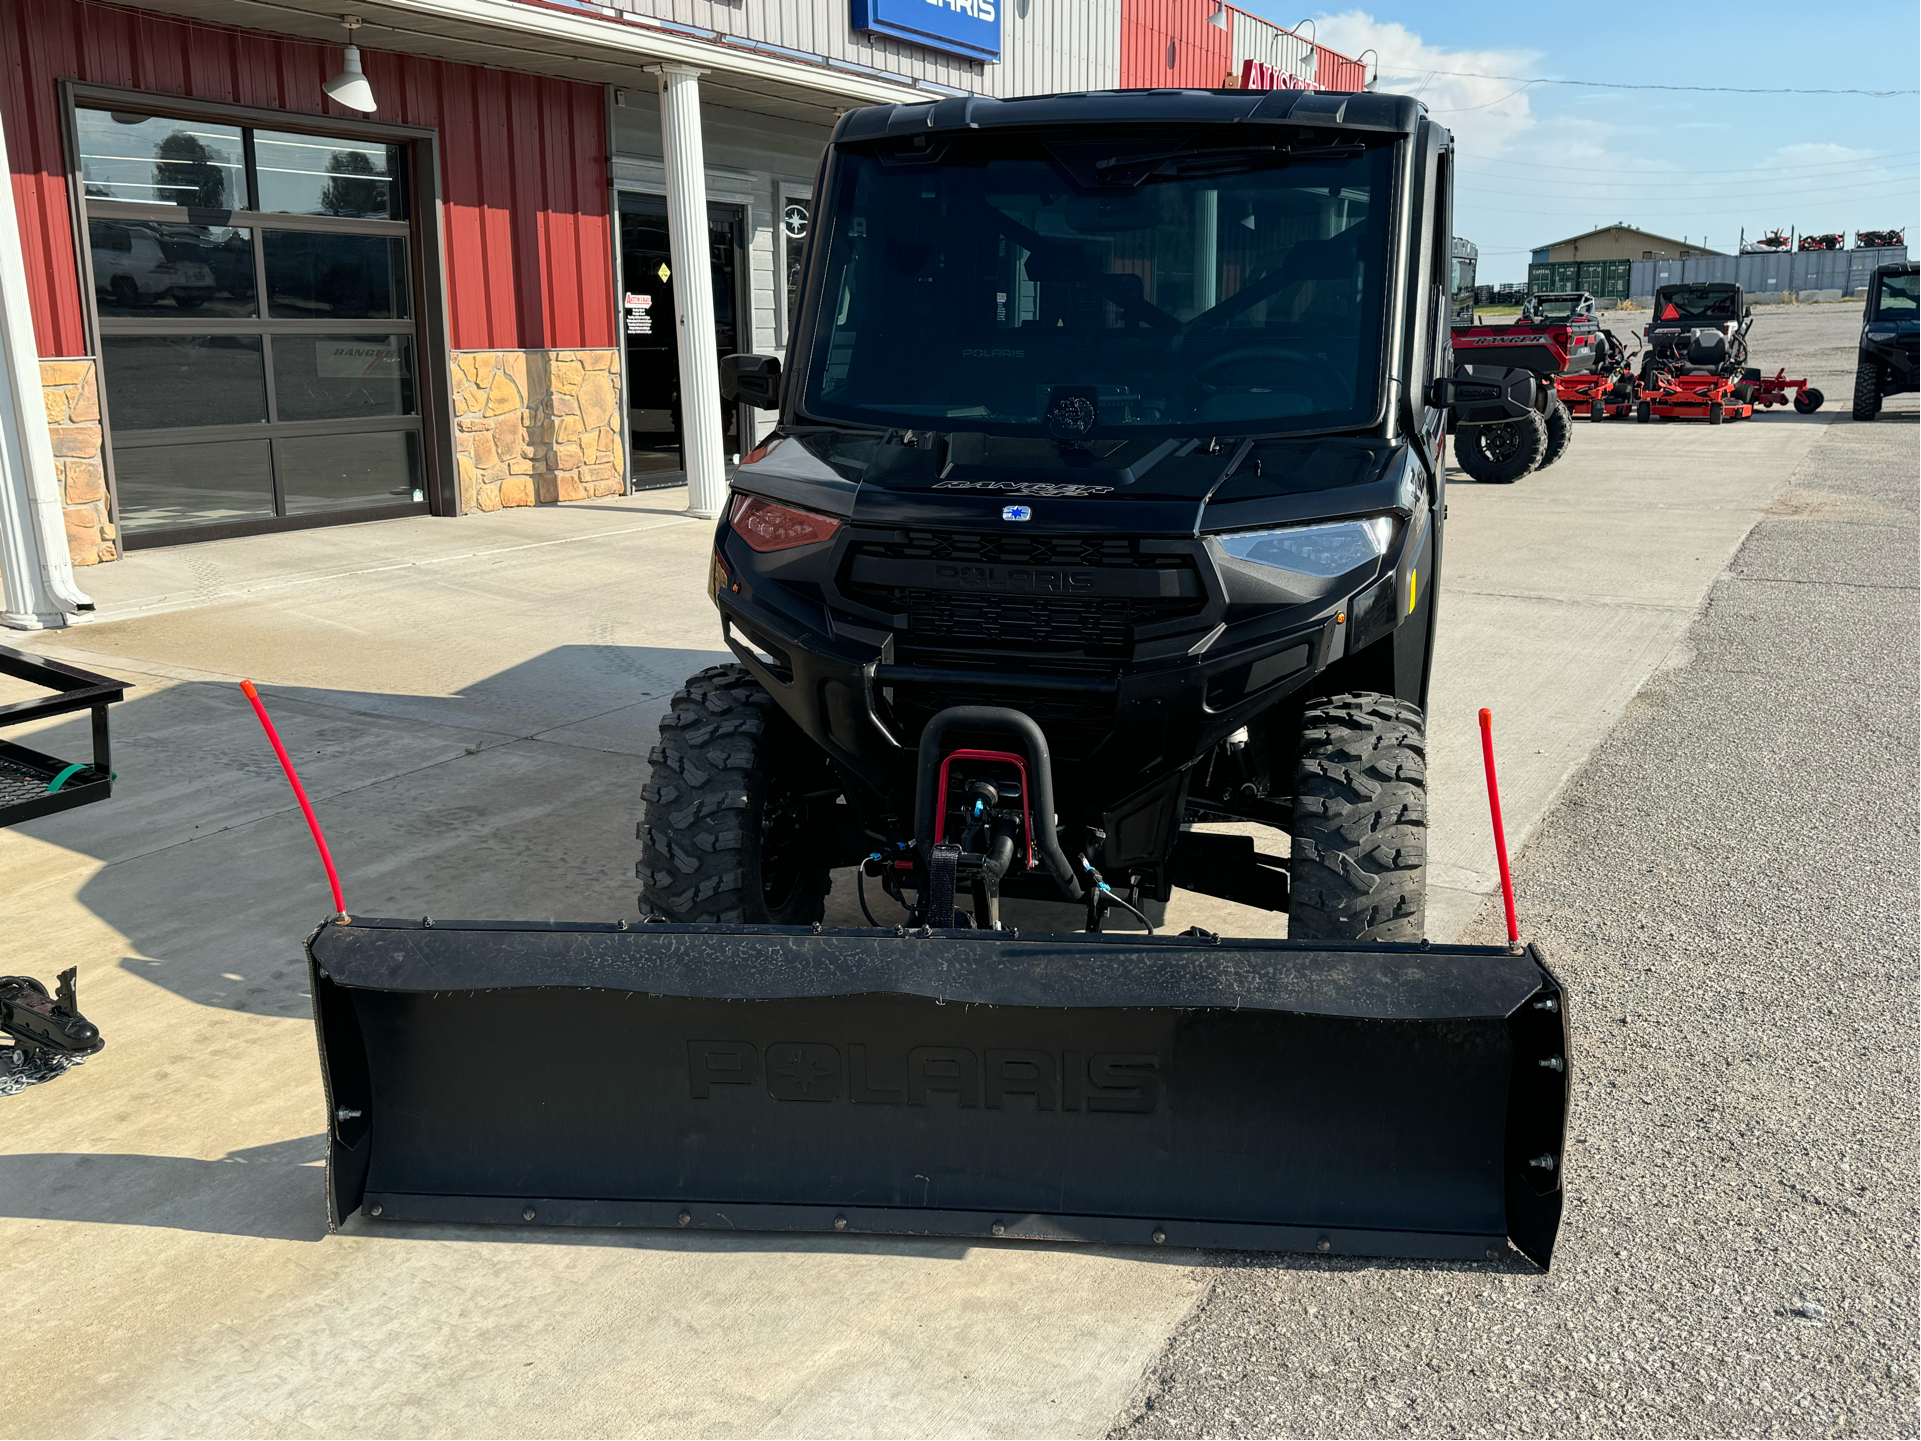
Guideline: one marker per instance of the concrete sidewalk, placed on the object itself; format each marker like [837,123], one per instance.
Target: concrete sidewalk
[471,704]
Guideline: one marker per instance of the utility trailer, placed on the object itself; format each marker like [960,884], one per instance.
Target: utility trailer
[1105,502]
[48,1033]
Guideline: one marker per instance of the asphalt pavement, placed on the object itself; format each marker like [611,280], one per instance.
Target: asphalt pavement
[1728,889]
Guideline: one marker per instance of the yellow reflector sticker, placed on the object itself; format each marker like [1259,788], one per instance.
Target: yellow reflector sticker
[1413,579]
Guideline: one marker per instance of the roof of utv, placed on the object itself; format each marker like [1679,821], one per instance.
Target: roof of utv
[1391,114]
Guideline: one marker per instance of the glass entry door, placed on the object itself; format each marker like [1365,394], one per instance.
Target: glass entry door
[255,311]
[647,323]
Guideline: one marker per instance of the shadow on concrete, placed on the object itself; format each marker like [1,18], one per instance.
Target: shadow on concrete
[514,798]
[272,1192]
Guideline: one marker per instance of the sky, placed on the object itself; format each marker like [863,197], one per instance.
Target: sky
[1542,162]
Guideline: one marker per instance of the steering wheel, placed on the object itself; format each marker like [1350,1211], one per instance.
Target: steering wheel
[1283,367]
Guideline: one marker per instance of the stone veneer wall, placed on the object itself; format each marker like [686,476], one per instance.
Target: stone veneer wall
[71,389]
[533,427]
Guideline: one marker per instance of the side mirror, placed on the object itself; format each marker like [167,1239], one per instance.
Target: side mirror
[1747,313]
[1485,394]
[752,380]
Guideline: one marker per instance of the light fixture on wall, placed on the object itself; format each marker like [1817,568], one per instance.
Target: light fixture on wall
[350,86]
[1315,36]
[1219,18]
[1373,82]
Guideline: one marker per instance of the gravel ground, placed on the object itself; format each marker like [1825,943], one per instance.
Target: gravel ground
[1729,890]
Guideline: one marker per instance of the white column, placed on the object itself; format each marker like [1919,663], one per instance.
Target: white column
[686,159]
[37,590]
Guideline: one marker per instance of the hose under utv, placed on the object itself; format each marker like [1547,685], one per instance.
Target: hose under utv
[1105,503]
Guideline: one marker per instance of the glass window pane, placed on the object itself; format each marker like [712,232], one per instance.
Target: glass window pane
[343,472]
[342,377]
[128,156]
[335,277]
[151,269]
[311,175]
[168,485]
[162,382]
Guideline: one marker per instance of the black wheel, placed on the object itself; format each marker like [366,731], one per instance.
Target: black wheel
[1867,390]
[1597,410]
[1715,412]
[724,837]
[1502,453]
[1807,400]
[1644,412]
[1744,393]
[1560,430]
[1358,870]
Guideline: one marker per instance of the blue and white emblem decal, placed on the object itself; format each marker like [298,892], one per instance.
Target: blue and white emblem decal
[1017,512]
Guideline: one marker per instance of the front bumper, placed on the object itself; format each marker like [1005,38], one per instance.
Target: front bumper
[1120,718]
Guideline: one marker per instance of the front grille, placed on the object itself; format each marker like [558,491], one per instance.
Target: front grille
[1011,611]
[1097,625]
[1014,548]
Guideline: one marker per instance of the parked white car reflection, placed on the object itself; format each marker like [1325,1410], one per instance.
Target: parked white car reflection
[131,268]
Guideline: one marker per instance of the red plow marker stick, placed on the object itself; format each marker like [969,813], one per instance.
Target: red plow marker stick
[313,822]
[1500,833]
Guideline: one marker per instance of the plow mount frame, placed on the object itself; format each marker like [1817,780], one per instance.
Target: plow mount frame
[1377,1100]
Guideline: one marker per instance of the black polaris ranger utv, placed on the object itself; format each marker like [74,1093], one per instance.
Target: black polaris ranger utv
[1890,339]
[1111,450]
[1106,497]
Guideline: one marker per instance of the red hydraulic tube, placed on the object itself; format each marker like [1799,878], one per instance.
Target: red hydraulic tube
[1500,833]
[313,822]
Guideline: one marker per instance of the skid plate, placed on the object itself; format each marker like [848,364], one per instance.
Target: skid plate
[1361,1100]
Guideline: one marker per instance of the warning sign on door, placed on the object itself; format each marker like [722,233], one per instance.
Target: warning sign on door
[640,319]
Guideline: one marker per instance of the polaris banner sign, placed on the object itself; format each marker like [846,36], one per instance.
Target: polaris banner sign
[960,27]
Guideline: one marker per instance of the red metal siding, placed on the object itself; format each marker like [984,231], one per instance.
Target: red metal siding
[529,258]
[1202,52]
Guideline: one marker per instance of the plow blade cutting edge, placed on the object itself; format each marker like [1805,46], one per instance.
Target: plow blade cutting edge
[1373,1100]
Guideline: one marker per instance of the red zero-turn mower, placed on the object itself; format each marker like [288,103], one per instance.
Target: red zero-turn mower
[1695,366]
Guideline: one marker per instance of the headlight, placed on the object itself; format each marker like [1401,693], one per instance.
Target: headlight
[1326,551]
[1879,332]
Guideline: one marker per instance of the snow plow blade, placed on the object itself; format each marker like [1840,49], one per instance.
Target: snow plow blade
[1369,1100]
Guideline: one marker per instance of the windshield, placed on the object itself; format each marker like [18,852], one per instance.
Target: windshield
[1899,297]
[1562,307]
[1697,302]
[1018,286]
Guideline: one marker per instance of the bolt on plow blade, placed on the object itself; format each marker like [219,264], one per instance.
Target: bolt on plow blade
[1369,1100]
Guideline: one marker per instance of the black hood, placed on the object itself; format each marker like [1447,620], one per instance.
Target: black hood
[1171,487]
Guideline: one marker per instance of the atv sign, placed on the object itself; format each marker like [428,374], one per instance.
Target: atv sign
[960,27]
[1259,75]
